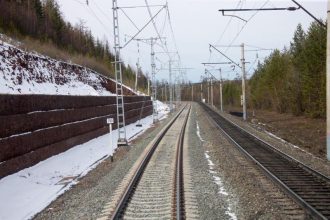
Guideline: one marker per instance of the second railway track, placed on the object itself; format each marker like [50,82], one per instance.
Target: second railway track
[306,186]
[155,190]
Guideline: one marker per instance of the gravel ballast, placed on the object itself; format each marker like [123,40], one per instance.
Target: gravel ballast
[232,186]
[319,164]
[86,200]
[223,183]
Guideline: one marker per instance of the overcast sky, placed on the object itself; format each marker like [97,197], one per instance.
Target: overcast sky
[196,24]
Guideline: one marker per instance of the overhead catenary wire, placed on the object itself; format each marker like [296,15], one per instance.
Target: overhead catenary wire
[94,14]
[246,45]
[155,27]
[227,25]
[82,3]
[94,9]
[164,24]
[252,65]
[130,19]
[143,27]
[141,6]
[100,9]
[165,48]
[97,18]
[145,41]
[253,46]
[172,32]
[240,31]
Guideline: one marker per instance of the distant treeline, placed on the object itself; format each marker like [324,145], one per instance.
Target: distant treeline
[42,20]
[289,81]
[231,92]
[294,80]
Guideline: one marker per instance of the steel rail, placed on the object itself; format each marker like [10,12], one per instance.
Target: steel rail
[180,212]
[122,204]
[296,194]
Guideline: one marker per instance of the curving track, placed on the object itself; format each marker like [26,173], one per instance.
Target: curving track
[155,191]
[307,187]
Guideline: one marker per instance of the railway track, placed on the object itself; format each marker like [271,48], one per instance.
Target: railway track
[307,187]
[155,189]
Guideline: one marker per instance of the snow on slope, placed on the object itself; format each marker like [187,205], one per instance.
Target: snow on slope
[29,73]
[29,191]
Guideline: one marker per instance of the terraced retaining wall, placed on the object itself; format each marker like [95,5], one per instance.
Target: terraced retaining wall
[35,127]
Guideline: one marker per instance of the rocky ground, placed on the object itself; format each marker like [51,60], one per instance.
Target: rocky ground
[307,133]
[86,200]
[25,72]
[226,185]
[300,153]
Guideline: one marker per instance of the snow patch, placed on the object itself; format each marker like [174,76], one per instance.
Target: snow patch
[216,179]
[259,123]
[282,140]
[231,214]
[222,191]
[29,191]
[291,145]
[198,132]
[30,73]
[162,107]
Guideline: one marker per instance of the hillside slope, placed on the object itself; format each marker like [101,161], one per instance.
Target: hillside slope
[31,73]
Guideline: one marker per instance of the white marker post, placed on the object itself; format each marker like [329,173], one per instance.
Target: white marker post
[110,122]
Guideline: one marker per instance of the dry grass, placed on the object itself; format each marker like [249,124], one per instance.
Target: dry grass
[49,49]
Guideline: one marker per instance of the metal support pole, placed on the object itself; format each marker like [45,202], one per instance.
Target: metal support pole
[170,85]
[208,91]
[165,93]
[328,83]
[201,91]
[137,69]
[154,84]
[111,147]
[136,77]
[122,141]
[211,81]
[148,86]
[192,92]
[177,89]
[243,82]
[180,91]
[208,87]
[220,88]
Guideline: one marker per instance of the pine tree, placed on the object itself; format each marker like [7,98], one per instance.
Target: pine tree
[314,73]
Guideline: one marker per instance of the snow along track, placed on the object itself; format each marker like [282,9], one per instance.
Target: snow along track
[153,188]
[310,189]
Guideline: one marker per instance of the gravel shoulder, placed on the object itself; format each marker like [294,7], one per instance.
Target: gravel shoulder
[86,199]
[319,164]
[210,204]
[223,183]
[227,184]
[305,132]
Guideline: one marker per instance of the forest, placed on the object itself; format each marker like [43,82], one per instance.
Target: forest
[293,80]
[40,26]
